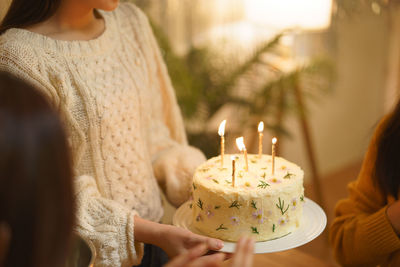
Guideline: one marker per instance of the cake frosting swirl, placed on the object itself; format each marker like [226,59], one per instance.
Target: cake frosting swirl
[260,204]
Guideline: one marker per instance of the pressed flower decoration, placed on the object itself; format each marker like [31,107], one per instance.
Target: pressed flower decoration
[209,213]
[294,203]
[274,181]
[258,215]
[282,221]
[234,220]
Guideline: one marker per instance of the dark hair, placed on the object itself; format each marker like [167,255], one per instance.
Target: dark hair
[24,13]
[36,193]
[387,163]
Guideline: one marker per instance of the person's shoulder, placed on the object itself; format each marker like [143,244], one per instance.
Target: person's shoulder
[15,49]
[11,39]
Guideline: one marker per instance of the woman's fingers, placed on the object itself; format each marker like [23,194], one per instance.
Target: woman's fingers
[249,249]
[185,258]
[243,256]
[238,256]
[214,260]
[214,244]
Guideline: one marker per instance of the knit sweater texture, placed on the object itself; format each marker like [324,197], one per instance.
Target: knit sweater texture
[361,233]
[123,123]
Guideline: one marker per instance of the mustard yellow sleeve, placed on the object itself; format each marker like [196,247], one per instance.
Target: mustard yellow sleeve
[361,234]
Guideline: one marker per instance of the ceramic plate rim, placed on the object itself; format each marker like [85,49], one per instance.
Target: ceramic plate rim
[313,224]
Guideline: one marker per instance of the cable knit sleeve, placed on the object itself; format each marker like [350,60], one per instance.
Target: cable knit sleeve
[361,234]
[107,224]
[174,161]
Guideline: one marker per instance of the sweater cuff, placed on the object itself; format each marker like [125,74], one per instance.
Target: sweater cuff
[380,232]
[135,249]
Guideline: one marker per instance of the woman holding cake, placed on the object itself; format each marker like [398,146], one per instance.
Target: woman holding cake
[104,73]
[366,229]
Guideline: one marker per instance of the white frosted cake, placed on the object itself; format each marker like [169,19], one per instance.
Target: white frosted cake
[262,205]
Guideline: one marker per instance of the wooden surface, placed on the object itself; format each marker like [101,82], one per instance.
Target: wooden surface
[291,258]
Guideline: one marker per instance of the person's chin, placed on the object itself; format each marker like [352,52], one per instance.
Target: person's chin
[110,5]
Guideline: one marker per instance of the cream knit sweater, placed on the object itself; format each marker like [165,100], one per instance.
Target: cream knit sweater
[123,122]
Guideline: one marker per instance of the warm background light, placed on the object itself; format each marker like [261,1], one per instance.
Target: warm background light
[283,14]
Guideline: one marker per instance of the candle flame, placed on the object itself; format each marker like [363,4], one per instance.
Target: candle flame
[261,127]
[274,140]
[221,129]
[240,143]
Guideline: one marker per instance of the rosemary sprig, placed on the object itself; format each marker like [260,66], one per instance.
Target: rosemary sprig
[228,182]
[263,184]
[273,228]
[302,198]
[281,206]
[215,181]
[217,207]
[204,169]
[263,175]
[254,230]
[221,227]
[235,204]
[253,204]
[200,204]
[288,175]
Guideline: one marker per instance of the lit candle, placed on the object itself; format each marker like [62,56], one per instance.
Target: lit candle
[260,137]
[233,169]
[242,147]
[221,132]
[274,140]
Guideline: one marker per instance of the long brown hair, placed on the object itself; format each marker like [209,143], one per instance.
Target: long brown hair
[36,193]
[23,13]
[387,164]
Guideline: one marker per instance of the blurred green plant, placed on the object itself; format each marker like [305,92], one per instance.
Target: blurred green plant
[203,88]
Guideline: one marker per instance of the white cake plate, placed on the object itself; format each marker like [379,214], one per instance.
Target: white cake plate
[312,225]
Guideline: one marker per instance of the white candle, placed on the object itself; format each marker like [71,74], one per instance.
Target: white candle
[274,140]
[221,132]
[260,137]
[242,147]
